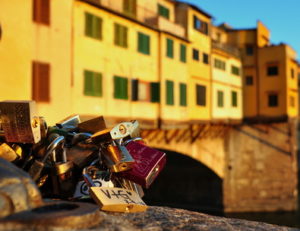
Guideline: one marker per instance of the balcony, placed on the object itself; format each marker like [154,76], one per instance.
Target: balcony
[143,15]
[226,48]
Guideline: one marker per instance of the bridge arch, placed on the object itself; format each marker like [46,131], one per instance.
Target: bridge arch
[186,183]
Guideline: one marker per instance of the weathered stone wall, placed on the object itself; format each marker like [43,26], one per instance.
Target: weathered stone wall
[261,168]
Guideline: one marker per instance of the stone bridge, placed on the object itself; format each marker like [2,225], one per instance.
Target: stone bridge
[256,164]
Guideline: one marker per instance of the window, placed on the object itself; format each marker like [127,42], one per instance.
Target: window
[143,91]
[234,100]
[235,70]
[182,53]
[120,35]
[182,87]
[200,25]
[143,43]
[195,54]
[163,11]
[219,64]
[205,58]
[200,95]
[134,89]
[170,44]
[273,100]
[92,83]
[220,95]
[292,73]
[292,101]
[272,70]
[40,82]
[93,26]
[249,50]
[170,92]
[249,80]
[120,87]
[41,11]
[155,92]
[129,7]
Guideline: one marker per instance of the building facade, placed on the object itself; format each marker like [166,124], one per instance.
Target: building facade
[161,62]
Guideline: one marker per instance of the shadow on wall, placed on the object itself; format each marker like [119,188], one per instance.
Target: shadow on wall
[186,183]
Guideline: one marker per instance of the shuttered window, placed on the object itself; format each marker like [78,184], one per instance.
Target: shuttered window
[182,53]
[163,11]
[195,54]
[205,58]
[134,89]
[93,26]
[170,45]
[41,11]
[220,95]
[120,35]
[92,83]
[40,82]
[200,95]
[155,92]
[234,100]
[143,43]
[120,87]
[170,92]
[235,70]
[129,7]
[182,87]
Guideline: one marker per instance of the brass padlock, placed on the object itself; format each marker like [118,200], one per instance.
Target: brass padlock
[20,122]
[63,167]
[93,125]
[117,200]
[117,158]
[8,153]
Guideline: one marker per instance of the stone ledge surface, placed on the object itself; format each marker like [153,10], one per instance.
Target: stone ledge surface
[170,219]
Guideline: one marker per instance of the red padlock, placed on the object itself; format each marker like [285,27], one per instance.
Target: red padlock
[149,162]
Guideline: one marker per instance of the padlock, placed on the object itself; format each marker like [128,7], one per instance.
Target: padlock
[117,158]
[117,199]
[70,123]
[93,125]
[38,165]
[149,162]
[99,179]
[20,122]
[130,185]
[62,175]
[102,136]
[125,129]
[8,153]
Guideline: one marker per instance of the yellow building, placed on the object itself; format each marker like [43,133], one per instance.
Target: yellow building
[35,54]
[198,31]
[227,103]
[269,72]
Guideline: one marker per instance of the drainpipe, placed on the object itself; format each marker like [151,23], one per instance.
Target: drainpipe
[159,65]
[257,78]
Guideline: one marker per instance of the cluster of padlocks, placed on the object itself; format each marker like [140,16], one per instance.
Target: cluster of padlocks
[77,159]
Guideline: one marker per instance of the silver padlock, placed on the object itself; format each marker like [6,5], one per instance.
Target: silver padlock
[125,129]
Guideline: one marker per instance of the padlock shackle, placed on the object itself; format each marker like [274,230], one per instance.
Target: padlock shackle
[80,137]
[54,144]
[133,139]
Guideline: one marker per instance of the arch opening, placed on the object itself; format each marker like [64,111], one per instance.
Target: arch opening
[186,183]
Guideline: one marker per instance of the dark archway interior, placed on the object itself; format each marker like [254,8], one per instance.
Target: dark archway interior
[186,183]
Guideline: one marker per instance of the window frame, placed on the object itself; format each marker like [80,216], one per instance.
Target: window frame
[169,92]
[144,43]
[201,95]
[120,35]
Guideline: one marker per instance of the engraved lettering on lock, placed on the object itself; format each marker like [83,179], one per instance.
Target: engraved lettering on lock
[107,194]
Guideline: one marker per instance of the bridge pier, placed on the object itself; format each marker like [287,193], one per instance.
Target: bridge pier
[256,162]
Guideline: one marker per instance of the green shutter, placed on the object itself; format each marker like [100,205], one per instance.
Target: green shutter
[120,35]
[220,95]
[155,92]
[97,84]
[88,24]
[170,48]
[170,92]
[143,43]
[163,11]
[88,83]
[97,27]
[182,53]
[234,99]
[120,87]
[129,7]
[183,94]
